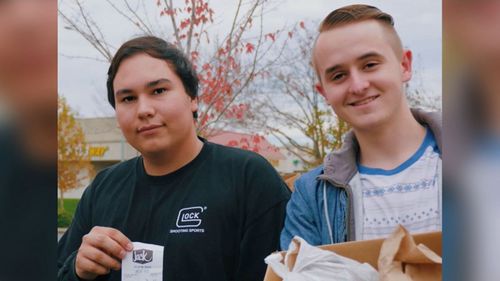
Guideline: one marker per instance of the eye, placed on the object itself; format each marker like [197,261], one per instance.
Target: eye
[371,65]
[159,91]
[128,99]
[338,76]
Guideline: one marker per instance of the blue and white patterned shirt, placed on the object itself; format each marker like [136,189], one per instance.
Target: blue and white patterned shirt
[409,195]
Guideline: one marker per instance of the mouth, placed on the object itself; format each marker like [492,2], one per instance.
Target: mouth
[148,128]
[364,101]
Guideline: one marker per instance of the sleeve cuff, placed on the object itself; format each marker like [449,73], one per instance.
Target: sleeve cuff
[68,271]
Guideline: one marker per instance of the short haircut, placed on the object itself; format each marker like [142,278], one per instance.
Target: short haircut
[354,13]
[358,13]
[160,49]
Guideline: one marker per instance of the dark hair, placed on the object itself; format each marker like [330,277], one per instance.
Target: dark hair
[160,49]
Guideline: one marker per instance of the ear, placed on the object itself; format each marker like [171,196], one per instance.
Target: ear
[194,104]
[406,62]
[320,89]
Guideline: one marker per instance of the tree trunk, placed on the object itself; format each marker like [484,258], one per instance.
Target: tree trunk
[61,201]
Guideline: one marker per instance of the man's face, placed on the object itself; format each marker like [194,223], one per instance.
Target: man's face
[28,54]
[153,109]
[362,78]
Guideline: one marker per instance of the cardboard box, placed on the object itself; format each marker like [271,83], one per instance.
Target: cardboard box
[367,251]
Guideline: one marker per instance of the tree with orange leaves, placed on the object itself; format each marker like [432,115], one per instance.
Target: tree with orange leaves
[73,159]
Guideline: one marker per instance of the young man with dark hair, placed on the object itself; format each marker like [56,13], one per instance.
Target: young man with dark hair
[217,211]
[388,171]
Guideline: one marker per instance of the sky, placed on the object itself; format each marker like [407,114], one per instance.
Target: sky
[82,81]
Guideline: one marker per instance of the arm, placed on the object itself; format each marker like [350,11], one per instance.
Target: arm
[264,207]
[260,239]
[299,218]
[101,250]
[86,252]
[72,238]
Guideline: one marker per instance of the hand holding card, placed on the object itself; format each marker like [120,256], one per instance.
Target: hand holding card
[100,251]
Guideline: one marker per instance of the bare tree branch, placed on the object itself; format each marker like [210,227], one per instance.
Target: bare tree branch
[97,41]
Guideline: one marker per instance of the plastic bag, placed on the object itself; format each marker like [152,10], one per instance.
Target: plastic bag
[304,262]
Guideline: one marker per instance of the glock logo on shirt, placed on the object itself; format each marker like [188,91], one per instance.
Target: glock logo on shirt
[189,217]
[142,256]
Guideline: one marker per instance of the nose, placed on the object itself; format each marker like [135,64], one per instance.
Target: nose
[145,107]
[359,83]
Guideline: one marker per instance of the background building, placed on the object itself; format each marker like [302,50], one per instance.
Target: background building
[108,147]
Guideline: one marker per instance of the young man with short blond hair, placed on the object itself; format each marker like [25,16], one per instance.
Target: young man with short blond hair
[388,171]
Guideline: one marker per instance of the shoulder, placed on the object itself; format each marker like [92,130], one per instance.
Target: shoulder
[248,170]
[107,177]
[118,169]
[434,119]
[237,156]
[311,175]
[308,182]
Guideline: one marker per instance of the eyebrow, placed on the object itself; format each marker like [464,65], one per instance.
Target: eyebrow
[369,55]
[148,85]
[360,58]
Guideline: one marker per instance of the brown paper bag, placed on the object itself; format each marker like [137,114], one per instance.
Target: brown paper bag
[401,259]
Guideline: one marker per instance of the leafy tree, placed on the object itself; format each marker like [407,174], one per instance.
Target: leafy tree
[228,63]
[73,159]
[290,108]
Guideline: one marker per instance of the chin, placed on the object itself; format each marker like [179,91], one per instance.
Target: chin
[154,148]
[366,122]
[150,149]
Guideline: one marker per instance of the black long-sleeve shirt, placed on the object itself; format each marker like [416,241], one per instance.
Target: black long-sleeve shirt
[218,217]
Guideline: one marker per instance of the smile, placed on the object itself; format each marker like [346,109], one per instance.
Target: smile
[363,101]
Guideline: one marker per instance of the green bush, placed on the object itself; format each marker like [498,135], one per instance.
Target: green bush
[70,205]
[65,216]
[64,219]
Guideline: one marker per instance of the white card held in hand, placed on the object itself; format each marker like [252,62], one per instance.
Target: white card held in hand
[144,263]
